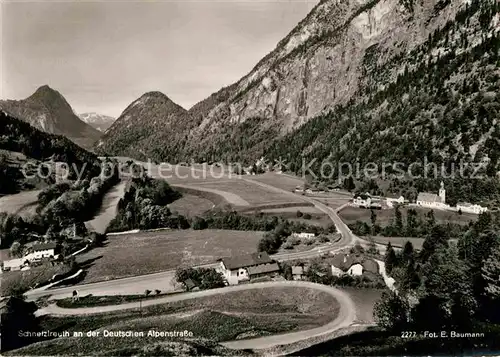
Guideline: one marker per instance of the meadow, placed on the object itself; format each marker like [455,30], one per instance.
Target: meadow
[251,193]
[397,242]
[150,252]
[13,281]
[283,181]
[23,203]
[190,205]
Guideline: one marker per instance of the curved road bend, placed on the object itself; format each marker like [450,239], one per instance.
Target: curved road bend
[345,317]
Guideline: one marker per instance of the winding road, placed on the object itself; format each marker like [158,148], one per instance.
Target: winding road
[137,285]
[345,317]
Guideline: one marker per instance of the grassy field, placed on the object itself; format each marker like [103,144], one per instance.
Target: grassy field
[224,317]
[284,182]
[352,214]
[23,203]
[191,205]
[398,242]
[303,209]
[27,279]
[213,194]
[252,193]
[92,301]
[149,252]
[334,200]
[364,300]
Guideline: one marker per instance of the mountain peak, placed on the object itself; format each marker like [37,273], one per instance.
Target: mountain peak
[47,94]
[48,110]
[45,89]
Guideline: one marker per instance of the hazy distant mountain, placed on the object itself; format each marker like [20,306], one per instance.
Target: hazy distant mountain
[48,111]
[151,127]
[98,121]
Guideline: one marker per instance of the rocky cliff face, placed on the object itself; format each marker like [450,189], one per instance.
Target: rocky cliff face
[321,63]
[48,110]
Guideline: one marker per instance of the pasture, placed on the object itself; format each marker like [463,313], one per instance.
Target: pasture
[231,198]
[283,181]
[150,252]
[23,203]
[397,242]
[249,192]
[190,205]
[224,317]
[24,280]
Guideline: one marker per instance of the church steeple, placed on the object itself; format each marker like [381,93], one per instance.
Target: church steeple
[442,193]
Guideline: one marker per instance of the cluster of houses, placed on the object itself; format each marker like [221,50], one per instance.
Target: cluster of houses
[365,200]
[249,267]
[37,252]
[424,199]
[341,264]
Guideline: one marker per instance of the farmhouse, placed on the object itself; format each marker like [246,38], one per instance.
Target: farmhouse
[15,264]
[362,200]
[355,269]
[391,201]
[298,272]
[352,265]
[303,235]
[246,267]
[44,250]
[470,208]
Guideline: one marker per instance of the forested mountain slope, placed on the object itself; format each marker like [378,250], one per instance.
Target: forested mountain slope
[151,127]
[368,64]
[17,136]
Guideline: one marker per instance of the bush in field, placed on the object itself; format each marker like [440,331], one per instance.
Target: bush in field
[204,278]
[199,223]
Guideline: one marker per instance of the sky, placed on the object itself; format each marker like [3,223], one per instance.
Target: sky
[103,55]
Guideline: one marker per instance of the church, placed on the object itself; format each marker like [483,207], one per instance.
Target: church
[431,200]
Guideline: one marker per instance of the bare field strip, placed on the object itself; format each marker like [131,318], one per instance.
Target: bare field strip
[276,206]
[217,199]
[283,181]
[191,205]
[251,193]
[230,197]
[20,202]
[149,252]
[303,209]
